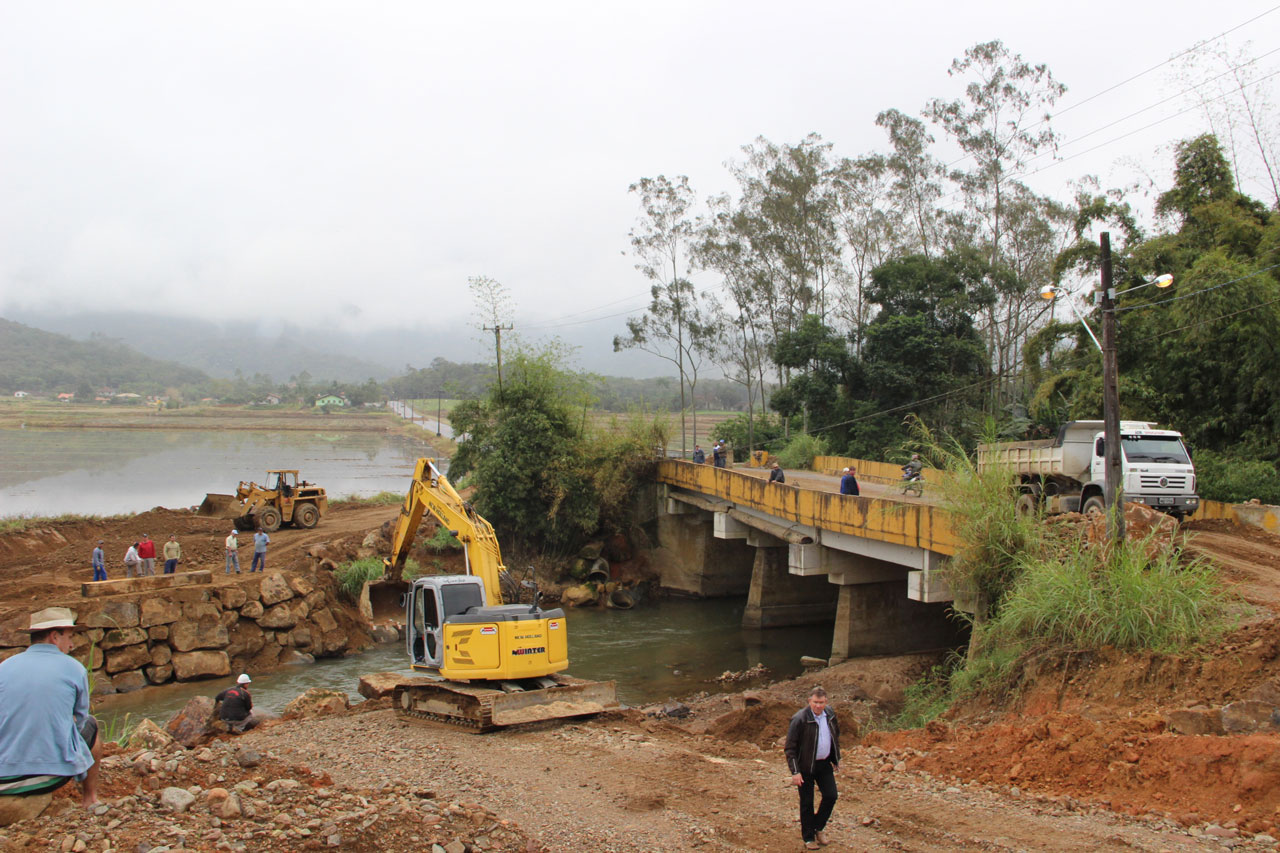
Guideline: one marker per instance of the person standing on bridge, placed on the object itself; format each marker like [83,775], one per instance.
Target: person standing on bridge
[99,563]
[172,554]
[849,482]
[776,475]
[813,755]
[699,457]
[260,542]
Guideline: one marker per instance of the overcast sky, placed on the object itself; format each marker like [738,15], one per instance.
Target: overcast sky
[355,163]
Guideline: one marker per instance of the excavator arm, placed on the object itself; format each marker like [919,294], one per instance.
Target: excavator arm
[430,491]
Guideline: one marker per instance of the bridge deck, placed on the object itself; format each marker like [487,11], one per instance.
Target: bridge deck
[813,500]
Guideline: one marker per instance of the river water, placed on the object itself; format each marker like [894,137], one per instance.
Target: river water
[109,472]
[655,651]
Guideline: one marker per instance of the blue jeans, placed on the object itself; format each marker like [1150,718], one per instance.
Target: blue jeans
[170,566]
[259,561]
[99,573]
[233,559]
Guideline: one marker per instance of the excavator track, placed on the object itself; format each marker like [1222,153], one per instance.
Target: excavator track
[483,709]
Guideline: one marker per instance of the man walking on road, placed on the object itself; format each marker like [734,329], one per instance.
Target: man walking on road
[233,551]
[47,736]
[147,553]
[260,542]
[813,755]
[99,563]
[172,554]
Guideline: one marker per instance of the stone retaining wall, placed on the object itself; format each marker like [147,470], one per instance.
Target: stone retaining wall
[195,632]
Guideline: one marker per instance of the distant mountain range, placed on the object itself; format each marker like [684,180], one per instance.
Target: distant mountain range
[36,360]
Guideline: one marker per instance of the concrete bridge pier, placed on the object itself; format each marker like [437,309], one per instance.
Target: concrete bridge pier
[777,598]
[704,566]
[879,619]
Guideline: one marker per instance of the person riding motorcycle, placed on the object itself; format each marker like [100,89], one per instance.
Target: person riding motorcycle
[911,471]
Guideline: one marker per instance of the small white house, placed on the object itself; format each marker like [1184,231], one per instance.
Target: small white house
[21,394]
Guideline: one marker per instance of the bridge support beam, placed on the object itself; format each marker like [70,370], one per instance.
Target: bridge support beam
[702,565]
[777,598]
[879,619]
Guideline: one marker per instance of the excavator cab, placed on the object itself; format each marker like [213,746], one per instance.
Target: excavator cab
[432,601]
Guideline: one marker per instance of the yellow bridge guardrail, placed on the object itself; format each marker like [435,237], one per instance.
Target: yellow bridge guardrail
[872,471]
[914,525]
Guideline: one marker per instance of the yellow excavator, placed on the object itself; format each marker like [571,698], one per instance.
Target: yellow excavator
[486,664]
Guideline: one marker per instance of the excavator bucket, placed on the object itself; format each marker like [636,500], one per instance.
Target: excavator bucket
[220,506]
[484,708]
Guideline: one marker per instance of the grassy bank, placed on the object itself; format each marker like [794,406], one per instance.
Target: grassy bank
[1038,589]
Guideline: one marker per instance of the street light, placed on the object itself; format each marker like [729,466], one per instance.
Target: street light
[1105,297]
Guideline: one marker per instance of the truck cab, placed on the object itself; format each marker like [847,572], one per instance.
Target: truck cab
[1157,469]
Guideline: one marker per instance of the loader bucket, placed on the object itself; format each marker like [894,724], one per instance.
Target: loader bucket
[220,506]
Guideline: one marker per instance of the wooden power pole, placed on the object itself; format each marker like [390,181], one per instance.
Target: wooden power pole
[497,330]
[1113,493]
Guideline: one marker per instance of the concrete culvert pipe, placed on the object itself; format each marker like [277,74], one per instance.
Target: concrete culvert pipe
[599,571]
[621,599]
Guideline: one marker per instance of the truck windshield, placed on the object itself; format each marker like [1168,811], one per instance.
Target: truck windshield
[1155,448]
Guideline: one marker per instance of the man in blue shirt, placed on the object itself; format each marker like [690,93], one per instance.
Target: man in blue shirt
[260,541]
[849,482]
[813,755]
[99,563]
[46,733]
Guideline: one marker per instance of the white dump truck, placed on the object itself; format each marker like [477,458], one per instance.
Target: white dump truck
[1066,474]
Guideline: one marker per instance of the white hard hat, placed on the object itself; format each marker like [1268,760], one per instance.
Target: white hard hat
[234,532]
[244,678]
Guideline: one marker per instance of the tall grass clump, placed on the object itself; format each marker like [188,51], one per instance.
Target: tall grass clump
[1031,588]
[352,576]
[800,451]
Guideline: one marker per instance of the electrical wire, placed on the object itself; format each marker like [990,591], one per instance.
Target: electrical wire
[1195,293]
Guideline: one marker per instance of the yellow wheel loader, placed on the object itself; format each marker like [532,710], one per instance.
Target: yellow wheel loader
[487,664]
[284,500]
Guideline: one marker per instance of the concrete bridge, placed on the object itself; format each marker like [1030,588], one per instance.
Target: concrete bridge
[803,553]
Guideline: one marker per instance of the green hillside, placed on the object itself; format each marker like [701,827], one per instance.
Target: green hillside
[36,361]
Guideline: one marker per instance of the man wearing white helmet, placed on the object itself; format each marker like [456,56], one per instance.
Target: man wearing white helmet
[236,705]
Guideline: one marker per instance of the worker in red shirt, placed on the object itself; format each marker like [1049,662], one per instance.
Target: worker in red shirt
[147,553]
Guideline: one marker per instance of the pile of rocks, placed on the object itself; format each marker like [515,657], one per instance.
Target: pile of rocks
[226,796]
[194,632]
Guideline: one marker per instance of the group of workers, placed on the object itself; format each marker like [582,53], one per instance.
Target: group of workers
[139,558]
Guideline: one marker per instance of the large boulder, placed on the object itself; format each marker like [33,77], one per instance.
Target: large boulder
[279,616]
[129,657]
[245,638]
[317,702]
[300,637]
[194,724]
[379,684]
[252,610]
[14,809]
[127,682]
[205,634]
[13,629]
[301,585]
[200,611]
[188,666]
[324,620]
[111,614]
[275,589]
[159,611]
[158,674]
[118,637]
[147,735]
[160,654]
[233,597]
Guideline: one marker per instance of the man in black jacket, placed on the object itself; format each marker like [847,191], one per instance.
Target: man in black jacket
[813,755]
[235,705]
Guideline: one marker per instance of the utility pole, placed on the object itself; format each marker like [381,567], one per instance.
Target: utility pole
[1113,491]
[497,330]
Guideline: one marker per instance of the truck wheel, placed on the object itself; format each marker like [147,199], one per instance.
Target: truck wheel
[1094,506]
[268,519]
[1026,505]
[306,515]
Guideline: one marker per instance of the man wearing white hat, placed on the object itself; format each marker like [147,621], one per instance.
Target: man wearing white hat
[236,705]
[46,733]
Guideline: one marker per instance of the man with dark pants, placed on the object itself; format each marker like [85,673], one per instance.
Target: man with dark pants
[47,736]
[235,705]
[813,755]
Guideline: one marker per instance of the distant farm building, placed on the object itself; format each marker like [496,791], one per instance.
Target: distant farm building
[331,400]
[21,394]
[66,398]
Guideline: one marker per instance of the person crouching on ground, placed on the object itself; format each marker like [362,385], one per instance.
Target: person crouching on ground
[235,705]
[47,735]
[813,755]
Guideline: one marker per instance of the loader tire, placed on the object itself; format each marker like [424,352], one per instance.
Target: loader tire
[306,515]
[268,519]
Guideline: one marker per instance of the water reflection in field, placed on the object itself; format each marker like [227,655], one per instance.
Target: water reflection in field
[106,472]
[654,652]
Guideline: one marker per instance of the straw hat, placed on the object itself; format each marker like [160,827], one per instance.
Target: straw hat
[53,617]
